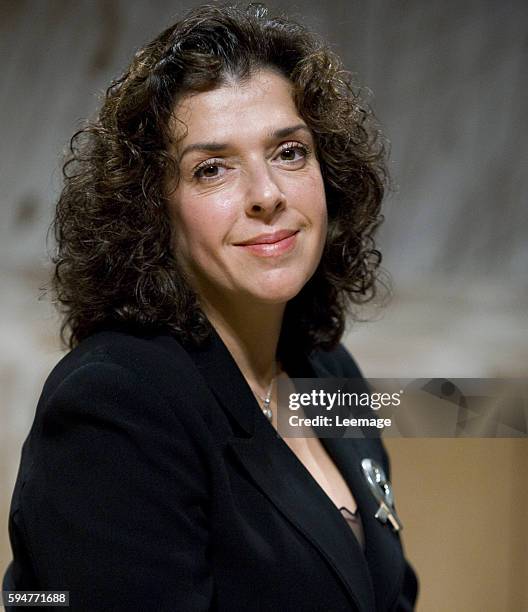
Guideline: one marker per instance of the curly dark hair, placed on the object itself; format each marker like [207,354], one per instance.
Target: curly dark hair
[114,264]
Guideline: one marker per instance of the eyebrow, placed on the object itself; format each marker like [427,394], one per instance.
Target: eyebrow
[220,146]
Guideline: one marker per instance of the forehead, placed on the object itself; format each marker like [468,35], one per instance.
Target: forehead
[257,105]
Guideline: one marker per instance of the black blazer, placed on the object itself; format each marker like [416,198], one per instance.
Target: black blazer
[151,480]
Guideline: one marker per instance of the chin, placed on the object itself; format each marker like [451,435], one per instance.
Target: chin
[275,298]
[278,292]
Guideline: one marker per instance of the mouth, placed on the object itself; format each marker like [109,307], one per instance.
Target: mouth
[270,245]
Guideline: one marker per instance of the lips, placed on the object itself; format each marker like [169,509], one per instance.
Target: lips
[268,238]
[274,244]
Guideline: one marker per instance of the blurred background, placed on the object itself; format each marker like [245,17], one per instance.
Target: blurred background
[447,85]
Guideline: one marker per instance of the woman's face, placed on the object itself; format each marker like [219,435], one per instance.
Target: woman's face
[249,208]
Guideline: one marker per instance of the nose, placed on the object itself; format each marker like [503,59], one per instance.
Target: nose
[264,197]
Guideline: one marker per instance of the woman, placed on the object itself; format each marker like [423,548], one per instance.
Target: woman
[215,223]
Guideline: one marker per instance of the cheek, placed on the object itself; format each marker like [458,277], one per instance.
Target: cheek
[318,214]
[201,222]
[319,203]
[309,194]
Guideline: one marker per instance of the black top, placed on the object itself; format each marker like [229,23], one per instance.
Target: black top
[151,480]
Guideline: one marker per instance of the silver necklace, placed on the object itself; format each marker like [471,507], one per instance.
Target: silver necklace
[266,401]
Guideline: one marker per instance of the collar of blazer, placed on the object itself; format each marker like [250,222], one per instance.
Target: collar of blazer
[372,578]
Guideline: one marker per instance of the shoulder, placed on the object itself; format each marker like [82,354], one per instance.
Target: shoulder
[149,358]
[118,399]
[126,371]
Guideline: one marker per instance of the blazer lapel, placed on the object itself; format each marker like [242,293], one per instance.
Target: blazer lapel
[281,476]
[382,545]
[227,383]
[291,488]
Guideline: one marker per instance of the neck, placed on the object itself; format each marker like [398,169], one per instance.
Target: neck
[251,334]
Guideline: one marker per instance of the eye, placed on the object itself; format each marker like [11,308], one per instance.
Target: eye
[293,153]
[209,170]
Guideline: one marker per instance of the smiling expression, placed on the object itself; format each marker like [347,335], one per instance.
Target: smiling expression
[249,209]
